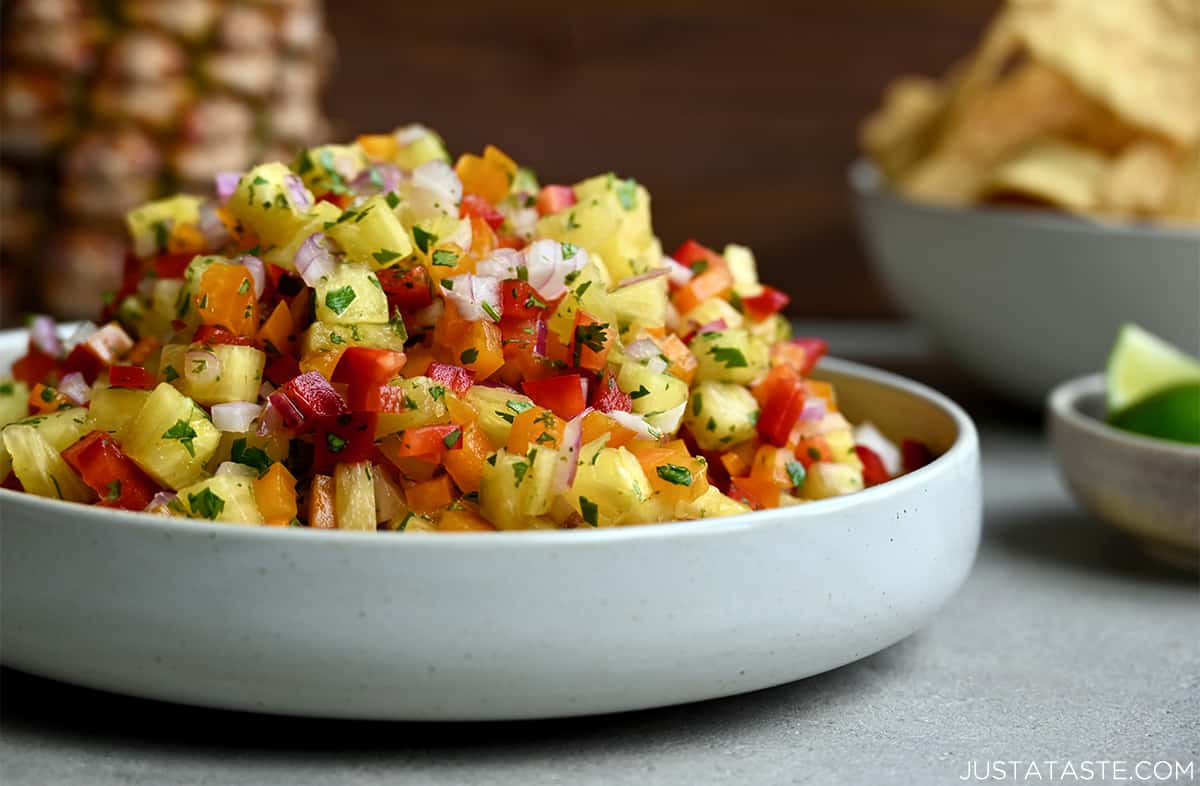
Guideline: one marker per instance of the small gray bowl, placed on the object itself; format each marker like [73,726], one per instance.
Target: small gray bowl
[1148,487]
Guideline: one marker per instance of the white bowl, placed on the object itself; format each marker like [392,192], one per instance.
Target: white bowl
[1148,487]
[495,625]
[1023,299]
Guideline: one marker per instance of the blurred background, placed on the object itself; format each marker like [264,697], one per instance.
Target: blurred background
[741,120]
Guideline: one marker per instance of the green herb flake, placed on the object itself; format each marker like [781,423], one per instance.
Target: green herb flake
[245,287]
[469,356]
[569,250]
[385,255]
[423,239]
[255,458]
[699,266]
[814,454]
[730,356]
[182,431]
[392,200]
[437,392]
[697,404]
[641,392]
[338,300]
[170,374]
[627,194]
[519,470]
[673,473]
[112,491]
[590,511]
[490,310]
[335,443]
[161,234]
[6,389]
[451,439]
[796,472]
[571,222]
[205,503]
[48,394]
[444,258]
[518,406]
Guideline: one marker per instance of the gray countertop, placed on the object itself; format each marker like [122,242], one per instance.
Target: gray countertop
[1064,645]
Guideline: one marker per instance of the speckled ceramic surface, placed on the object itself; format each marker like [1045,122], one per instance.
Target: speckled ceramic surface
[495,625]
[1025,299]
[1145,486]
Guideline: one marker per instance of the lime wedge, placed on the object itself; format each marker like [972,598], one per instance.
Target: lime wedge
[1142,364]
[1173,413]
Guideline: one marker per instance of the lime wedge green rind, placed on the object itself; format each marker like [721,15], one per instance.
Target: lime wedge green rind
[1172,414]
[1142,364]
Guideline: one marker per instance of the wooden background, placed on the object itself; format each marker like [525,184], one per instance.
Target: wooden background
[740,118]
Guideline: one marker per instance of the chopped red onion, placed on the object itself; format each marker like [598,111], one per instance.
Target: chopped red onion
[522,222]
[814,409]
[649,275]
[713,327]
[110,342]
[76,388]
[477,297]
[201,367]
[548,263]
[43,332]
[82,333]
[225,183]
[235,416]
[271,422]
[258,273]
[541,333]
[215,233]
[236,470]
[379,178]
[657,364]
[300,197]
[286,409]
[314,259]
[867,435]
[635,423]
[427,316]
[677,274]
[642,349]
[160,501]
[503,263]
[568,464]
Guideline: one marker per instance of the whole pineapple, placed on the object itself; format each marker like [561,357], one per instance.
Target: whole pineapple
[104,105]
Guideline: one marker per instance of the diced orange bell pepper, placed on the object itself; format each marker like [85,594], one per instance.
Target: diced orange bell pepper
[185,239]
[324,362]
[301,309]
[758,494]
[431,496]
[322,512]
[447,260]
[672,471]
[43,399]
[822,390]
[473,345]
[142,350]
[278,333]
[537,427]
[734,464]
[770,465]
[463,520]
[226,298]
[591,342]
[460,411]
[715,282]
[483,239]
[490,176]
[411,467]
[378,147]
[812,450]
[466,466]
[682,362]
[243,235]
[597,424]
[275,492]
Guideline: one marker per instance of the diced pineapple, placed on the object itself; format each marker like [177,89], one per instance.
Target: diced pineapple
[171,438]
[329,338]
[829,479]
[227,497]
[61,429]
[640,306]
[497,407]
[351,294]
[744,270]
[503,494]
[721,415]
[713,503]
[151,224]
[715,309]
[416,145]
[354,496]
[425,404]
[652,392]
[264,202]
[318,217]
[14,396]
[411,522]
[841,445]
[536,489]
[112,408]
[40,467]
[771,330]
[729,356]
[249,449]
[612,219]
[330,168]
[370,233]
[239,379]
[608,487]
[588,291]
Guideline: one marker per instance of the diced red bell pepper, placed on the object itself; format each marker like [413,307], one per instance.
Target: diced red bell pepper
[84,360]
[784,404]
[608,397]
[337,200]
[455,378]
[756,493]
[914,455]
[314,396]
[520,300]
[131,277]
[691,252]
[280,369]
[476,206]
[376,398]
[770,301]
[430,441]
[34,367]
[565,396]
[368,366]
[114,477]
[874,472]
[344,439]
[285,282]
[171,265]
[214,334]
[554,199]
[100,350]
[406,289]
[130,377]
[814,350]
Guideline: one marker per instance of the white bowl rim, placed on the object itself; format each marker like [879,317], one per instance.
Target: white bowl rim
[866,180]
[1063,404]
[964,447]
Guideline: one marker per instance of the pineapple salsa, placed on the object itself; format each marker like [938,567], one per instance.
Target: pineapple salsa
[373,338]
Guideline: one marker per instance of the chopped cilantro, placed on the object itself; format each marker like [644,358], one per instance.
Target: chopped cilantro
[338,300]
[730,356]
[469,355]
[245,287]
[423,239]
[697,404]
[673,473]
[640,392]
[438,392]
[571,222]
[814,454]
[6,389]
[444,258]
[385,255]
[569,250]
[451,439]
[206,503]
[250,456]
[590,511]
[335,443]
[490,310]
[796,472]
[518,406]
[112,491]
[699,266]
[519,470]
[182,431]
[396,323]
[627,193]
[48,394]
[392,200]
[582,288]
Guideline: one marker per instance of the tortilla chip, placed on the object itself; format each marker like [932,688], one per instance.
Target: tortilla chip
[1053,172]
[1141,58]
[1140,179]
[904,128]
[1183,203]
